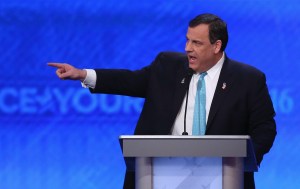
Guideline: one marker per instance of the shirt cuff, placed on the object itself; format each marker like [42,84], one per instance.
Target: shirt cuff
[90,79]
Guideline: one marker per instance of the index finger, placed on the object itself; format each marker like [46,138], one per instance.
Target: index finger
[57,65]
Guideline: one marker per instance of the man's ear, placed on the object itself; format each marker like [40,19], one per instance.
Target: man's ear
[218,45]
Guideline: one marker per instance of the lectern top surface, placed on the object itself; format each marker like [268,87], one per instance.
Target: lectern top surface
[184,137]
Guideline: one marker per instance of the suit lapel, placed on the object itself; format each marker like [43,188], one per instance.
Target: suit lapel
[180,89]
[223,87]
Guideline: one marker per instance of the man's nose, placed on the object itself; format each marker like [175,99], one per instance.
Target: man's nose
[188,46]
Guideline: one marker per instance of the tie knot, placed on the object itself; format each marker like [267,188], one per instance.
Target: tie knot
[203,74]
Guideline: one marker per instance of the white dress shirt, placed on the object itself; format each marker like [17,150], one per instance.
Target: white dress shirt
[211,80]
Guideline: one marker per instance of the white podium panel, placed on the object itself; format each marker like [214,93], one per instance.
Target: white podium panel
[187,172]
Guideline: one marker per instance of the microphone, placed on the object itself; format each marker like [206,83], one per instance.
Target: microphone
[190,73]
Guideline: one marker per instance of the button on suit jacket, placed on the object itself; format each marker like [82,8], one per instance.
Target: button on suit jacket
[241,104]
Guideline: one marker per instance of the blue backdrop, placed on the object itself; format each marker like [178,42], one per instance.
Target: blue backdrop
[55,135]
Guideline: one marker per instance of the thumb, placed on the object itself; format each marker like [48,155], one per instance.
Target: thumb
[62,73]
[66,75]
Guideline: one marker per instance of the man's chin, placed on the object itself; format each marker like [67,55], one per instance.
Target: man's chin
[193,67]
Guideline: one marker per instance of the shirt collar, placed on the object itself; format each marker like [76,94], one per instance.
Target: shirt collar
[216,68]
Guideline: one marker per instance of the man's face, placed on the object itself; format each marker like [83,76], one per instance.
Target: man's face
[201,53]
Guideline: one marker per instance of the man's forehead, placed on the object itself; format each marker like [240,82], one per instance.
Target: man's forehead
[200,27]
[201,30]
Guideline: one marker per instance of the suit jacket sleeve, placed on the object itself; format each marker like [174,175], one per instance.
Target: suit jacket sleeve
[122,82]
[262,127]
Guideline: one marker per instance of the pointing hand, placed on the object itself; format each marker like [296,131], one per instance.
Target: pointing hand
[67,71]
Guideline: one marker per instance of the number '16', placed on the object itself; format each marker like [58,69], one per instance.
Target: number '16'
[282,101]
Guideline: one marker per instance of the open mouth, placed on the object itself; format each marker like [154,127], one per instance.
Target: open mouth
[192,58]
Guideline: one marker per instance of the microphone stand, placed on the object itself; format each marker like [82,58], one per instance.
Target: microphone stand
[189,77]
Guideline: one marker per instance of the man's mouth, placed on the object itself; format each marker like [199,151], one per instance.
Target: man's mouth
[192,58]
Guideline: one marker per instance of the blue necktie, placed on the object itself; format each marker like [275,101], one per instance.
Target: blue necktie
[199,122]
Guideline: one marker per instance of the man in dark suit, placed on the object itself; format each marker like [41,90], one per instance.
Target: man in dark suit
[237,100]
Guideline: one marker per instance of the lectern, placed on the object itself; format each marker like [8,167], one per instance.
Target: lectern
[167,161]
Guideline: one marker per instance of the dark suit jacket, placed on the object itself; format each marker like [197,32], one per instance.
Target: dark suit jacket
[244,107]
